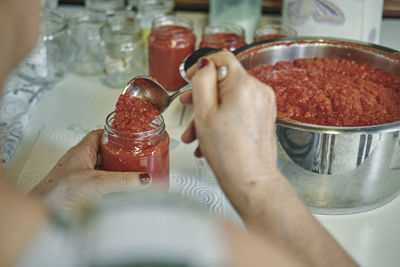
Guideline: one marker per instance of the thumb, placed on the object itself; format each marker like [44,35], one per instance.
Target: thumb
[105,182]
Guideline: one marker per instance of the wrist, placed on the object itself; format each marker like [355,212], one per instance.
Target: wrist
[257,193]
[267,200]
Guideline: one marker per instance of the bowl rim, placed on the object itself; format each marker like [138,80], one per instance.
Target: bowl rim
[382,50]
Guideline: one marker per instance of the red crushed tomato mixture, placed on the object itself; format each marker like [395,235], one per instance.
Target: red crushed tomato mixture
[168,47]
[332,92]
[133,114]
[129,149]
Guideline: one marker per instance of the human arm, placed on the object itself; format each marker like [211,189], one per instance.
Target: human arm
[72,181]
[19,28]
[21,218]
[234,122]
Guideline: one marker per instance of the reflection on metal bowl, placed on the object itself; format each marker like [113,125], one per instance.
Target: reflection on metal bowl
[335,170]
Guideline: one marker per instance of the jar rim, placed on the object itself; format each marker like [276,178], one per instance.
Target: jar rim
[150,5]
[121,26]
[275,29]
[165,20]
[223,28]
[104,6]
[157,124]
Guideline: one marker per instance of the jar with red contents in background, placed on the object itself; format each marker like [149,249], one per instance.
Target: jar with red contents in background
[146,152]
[273,31]
[170,42]
[222,36]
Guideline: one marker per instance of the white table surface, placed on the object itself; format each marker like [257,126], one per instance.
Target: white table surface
[372,238]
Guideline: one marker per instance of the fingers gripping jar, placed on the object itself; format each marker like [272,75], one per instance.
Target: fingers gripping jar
[143,151]
[170,42]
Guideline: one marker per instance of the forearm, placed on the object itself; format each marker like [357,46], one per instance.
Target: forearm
[21,219]
[274,211]
[19,28]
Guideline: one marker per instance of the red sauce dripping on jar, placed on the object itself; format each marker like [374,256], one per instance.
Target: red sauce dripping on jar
[223,36]
[170,42]
[132,143]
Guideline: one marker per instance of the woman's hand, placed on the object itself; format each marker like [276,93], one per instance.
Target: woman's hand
[234,122]
[76,177]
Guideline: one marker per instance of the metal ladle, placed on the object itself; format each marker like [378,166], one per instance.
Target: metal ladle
[148,89]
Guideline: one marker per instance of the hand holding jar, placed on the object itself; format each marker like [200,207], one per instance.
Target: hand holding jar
[77,178]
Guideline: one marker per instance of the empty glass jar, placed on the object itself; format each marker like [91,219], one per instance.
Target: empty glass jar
[148,10]
[48,62]
[86,39]
[123,52]
[99,9]
[245,13]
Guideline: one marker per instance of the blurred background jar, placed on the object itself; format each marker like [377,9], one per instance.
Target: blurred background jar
[131,5]
[86,39]
[99,9]
[273,31]
[170,42]
[227,36]
[148,10]
[50,4]
[350,19]
[49,61]
[123,51]
[245,13]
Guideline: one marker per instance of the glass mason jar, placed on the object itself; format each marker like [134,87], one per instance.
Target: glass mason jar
[148,10]
[99,9]
[123,52]
[170,42]
[246,13]
[272,31]
[86,39]
[146,152]
[48,62]
[50,4]
[222,36]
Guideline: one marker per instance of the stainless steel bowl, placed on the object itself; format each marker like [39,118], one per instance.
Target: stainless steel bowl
[335,170]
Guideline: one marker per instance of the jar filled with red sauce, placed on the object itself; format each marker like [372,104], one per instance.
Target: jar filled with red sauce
[222,36]
[136,140]
[273,31]
[170,42]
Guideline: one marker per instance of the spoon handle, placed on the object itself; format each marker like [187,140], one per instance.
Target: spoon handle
[222,72]
[184,89]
